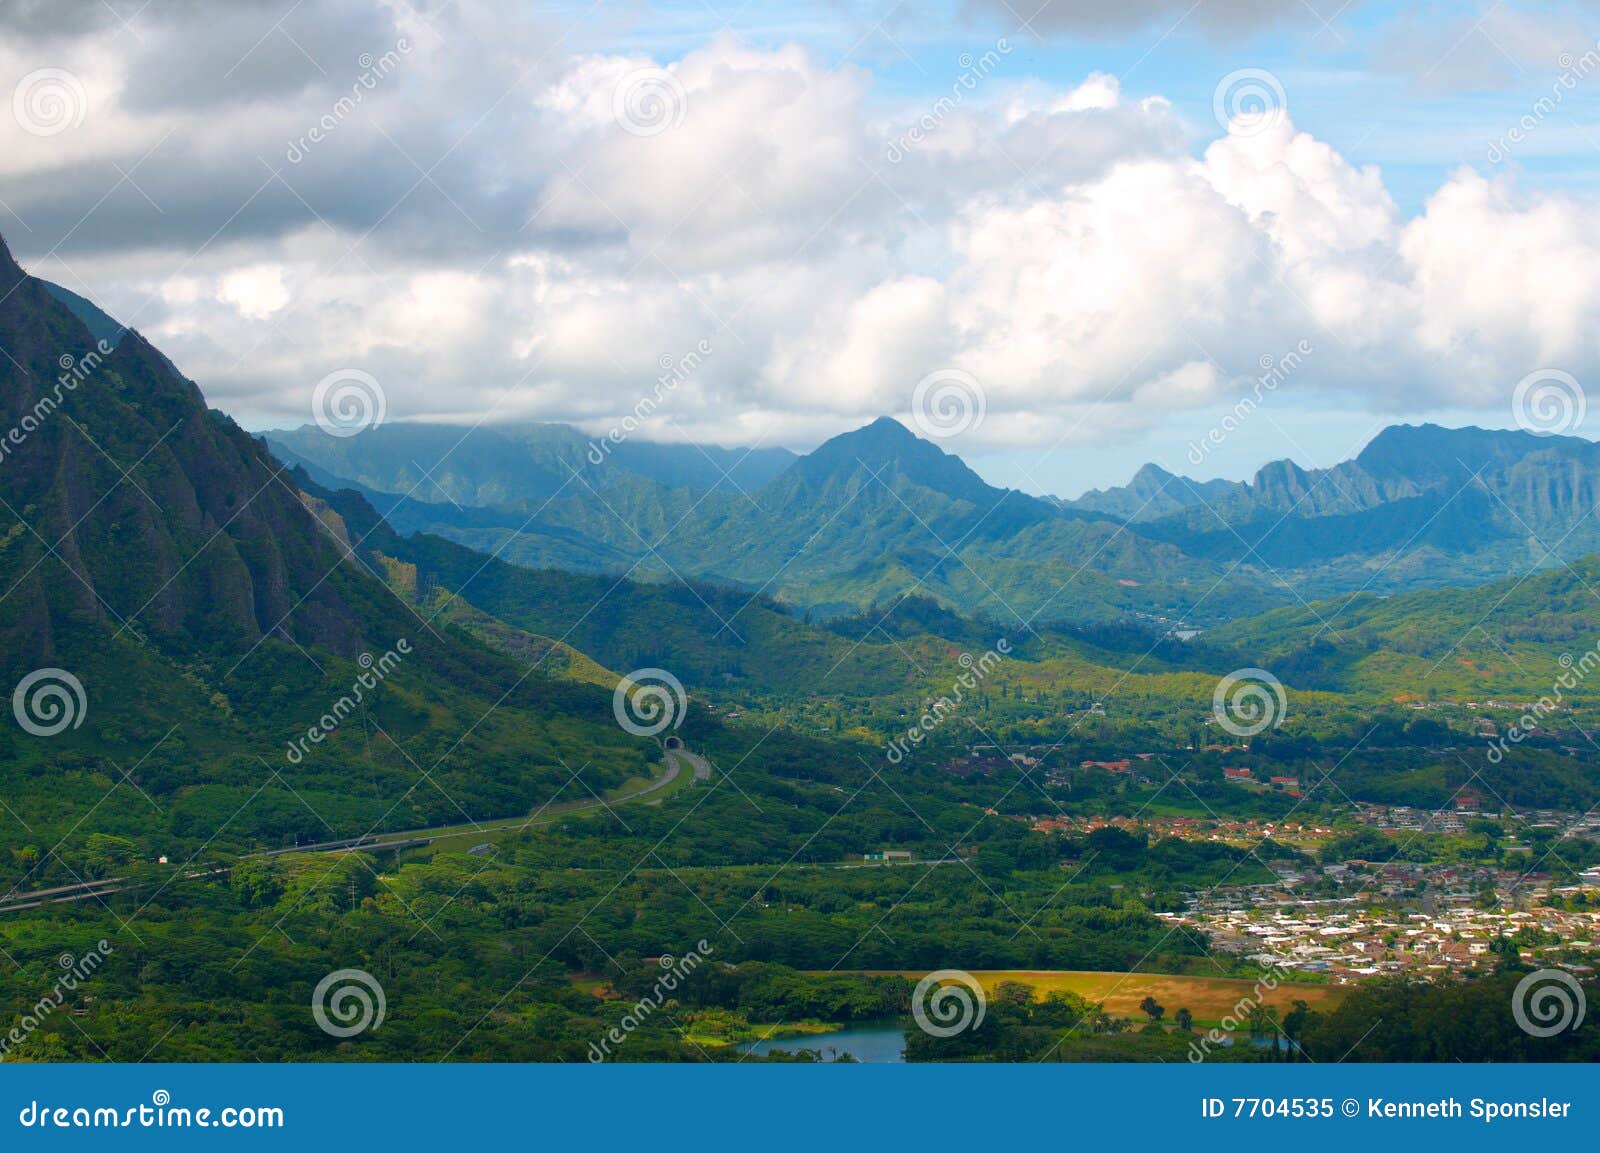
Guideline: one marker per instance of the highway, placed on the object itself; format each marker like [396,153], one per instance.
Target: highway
[676,760]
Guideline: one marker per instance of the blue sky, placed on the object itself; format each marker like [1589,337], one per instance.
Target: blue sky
[1416,88]
[490,231]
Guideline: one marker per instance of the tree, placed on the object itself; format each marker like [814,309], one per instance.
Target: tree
[1295,1022]
[1152,1008]
[1014,993]
[1264,1024]
[103,853]
[1183,1019]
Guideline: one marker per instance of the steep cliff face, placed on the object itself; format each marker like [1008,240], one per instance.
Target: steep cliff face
[128,504]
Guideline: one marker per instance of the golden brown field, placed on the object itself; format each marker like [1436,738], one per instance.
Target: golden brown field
[1208,998]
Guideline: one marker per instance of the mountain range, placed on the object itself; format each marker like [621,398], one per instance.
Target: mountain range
[213,601]
[870,516]
[195,613]
[878,513]
[1419,506]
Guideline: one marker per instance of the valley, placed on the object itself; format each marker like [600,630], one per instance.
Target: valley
[826,722]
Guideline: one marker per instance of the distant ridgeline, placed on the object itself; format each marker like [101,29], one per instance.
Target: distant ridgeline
[879,512]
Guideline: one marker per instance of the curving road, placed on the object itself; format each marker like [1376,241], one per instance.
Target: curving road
[676,759]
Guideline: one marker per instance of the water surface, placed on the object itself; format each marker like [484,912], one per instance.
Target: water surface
[877,1042]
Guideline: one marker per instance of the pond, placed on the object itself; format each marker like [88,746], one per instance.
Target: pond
[875,1042]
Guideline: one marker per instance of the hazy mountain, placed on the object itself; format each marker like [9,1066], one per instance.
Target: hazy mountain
[100,326]
[516,466]
[1152,493]
[1419,506]
[867,517]
[203,612]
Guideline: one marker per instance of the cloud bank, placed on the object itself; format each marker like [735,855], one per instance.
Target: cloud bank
[490,222]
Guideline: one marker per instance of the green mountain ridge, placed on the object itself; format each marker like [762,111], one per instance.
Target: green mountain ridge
[1420,506]
[870,516]
[1512,639]
[156,556]
[878,513]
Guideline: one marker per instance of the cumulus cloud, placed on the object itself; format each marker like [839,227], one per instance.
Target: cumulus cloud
[454,200]
[1097,18]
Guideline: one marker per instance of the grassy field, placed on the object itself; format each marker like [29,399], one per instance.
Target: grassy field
[460,838]
[1208,998]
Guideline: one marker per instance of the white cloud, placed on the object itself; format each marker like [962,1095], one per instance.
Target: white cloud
[257,291]
[514,248]
[1504,284]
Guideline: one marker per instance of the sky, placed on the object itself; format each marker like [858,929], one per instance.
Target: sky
[1062,241]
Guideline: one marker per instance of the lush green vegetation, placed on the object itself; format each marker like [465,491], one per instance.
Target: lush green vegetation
[229,624]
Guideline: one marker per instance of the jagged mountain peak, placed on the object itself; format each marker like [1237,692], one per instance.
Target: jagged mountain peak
[888,448]
[10,271]
[131,504]
[1425,450]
